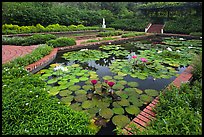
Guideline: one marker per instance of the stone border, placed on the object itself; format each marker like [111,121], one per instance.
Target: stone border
[147,115]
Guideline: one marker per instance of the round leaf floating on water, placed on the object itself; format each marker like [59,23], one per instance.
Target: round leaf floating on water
[118,110]
[122,82]
[146,98]
[151,92]
[52,81]
[80,98]
[78,92]
[74,87]
[87,87]
[118,86]
[133,84]
[138,91]
[76,106]
[83,78]
[118,77]
[54,91]
[106,113]
[115,104]
[121,74]
[123,102]
[67,100]
[120,121]
[107,77]
[65,93]
[134,110]
[75,80]
[87,104]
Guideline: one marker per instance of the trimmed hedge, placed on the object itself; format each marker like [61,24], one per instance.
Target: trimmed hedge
[61,42]
[110,33]
[15,29]
[133,34]
[26,41]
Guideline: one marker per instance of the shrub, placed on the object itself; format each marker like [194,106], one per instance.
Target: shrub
[196,34]
[133,34]
[26,41]
[109,33]
[61,42]
[197,67]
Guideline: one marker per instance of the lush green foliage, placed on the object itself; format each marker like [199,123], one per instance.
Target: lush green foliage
[197,66]
[109,33]
[28,110]
[35,55]
[133,34]
[179,112]
[61,42]
[15,29]
[184,25]
[136,24]
[98,40]
[196,34]
[26,41]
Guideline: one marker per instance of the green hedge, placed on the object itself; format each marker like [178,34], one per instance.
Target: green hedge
[61,42]
[15,29]
[110,33]
[199,34]
[26,41]
[184,25]
[136,24]
[133,34]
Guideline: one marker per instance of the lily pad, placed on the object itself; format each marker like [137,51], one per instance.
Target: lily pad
[107,77]
[74,87]
[62,82]
[121,74]
[76,106]
[54,91]
[75,80]
[87,104]
[118,86]
[101,104]
[67,100]
[93,110]
[80,98]
[122,82]
[106,113]
[52,81]
[83,78]
[138,91]
[118,110]
[122,94]
[115,104]
[87,87]
[123,102]
[120,121]
[65,93]
[151,92]
[134,110]
[146,98]
[133,84]
[78,92]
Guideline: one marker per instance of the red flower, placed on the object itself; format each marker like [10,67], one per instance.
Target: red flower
[94,81]
[134,57]
[106,81]
[110,83]
[143,59]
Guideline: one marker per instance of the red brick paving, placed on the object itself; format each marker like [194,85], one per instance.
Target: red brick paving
[10,52]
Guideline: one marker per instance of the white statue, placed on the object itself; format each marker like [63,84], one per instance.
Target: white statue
[103,26]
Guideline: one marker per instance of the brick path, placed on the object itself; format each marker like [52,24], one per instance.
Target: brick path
[10,52]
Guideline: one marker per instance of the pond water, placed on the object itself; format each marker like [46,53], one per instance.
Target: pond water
[136,82]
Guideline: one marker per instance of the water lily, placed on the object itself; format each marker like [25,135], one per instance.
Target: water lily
[178,51]
[181,38]
[83,49]
[143,59]
[190,47]
[110,83]
[106,81]
[134,57]
[94,81]
[169,49]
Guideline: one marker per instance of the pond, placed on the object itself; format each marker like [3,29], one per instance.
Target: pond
[113,83]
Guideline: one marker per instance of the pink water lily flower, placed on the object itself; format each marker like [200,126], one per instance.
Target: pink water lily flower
[143,59]
[134,57]
[94,81]
[110,83]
